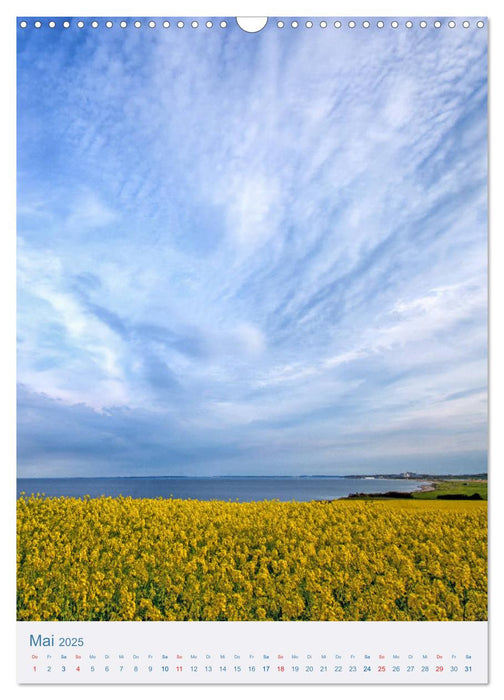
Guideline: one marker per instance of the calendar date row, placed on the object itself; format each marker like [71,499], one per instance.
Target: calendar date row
[267,668]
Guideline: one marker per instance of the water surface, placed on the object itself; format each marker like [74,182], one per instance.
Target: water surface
[216,488]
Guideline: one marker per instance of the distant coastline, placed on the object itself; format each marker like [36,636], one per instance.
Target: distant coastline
[464,489]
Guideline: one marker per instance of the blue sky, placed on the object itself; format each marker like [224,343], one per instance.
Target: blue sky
[251,254]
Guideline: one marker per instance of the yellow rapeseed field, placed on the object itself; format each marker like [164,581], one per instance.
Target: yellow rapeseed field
[154,559]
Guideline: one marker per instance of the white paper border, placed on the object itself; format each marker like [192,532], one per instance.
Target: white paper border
[315,8]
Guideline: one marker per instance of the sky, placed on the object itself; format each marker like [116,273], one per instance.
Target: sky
[251,253]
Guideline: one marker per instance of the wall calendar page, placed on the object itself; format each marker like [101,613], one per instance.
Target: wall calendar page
[252,350]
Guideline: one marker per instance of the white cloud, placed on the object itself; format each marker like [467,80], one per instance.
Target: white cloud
[90,368]
[343,358]
[252,204]
[249,339]
[439,311]
[88,210]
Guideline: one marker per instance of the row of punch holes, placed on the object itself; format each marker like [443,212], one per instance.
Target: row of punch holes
[323,24]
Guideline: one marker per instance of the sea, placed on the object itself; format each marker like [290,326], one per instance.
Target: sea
[242,489]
